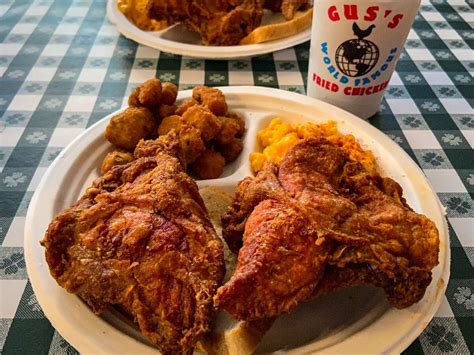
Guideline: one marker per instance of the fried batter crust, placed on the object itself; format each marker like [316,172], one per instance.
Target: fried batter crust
[371,234]
[218,22]
[140,239]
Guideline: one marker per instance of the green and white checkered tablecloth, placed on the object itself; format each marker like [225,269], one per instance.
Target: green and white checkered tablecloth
[63,66]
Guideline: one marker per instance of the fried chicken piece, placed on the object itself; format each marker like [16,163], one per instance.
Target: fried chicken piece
[212,98]
[397,247]
[218,22]
[140,239]
[204,120]
[287,7]
[169,143]
[116,157]
[127,128]
[147,94]
[209,165]
[371,234]
[250,192]
[278,266]
[290,7]
[273,5]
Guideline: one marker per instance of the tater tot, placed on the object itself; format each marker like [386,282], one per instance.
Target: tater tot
[209,165]
[169,123]
[127,128]
[191,143]
[229,130]
[231,150]
[169,92]
[214,99]
[204,120]
[117,157]
[147,94]
[183,107]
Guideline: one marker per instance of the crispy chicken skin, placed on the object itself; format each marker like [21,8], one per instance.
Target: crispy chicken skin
[287,7]
[375,233]
[366,233]
[219,22]
[278,266]
[140,239]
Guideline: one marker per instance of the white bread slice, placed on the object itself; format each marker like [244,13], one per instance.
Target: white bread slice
[275,26]
[228,336]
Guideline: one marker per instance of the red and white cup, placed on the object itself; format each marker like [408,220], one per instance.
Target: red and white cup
[355,47]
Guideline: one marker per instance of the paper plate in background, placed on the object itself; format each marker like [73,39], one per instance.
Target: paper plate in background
[179,40]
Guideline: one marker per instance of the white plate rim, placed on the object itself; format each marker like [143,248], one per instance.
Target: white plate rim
[126,28]
[85,345]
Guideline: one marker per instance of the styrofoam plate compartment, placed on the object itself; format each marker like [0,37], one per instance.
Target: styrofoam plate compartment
[177,39]
[354,320]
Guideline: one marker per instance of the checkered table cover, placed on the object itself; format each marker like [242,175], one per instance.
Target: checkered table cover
[63,66]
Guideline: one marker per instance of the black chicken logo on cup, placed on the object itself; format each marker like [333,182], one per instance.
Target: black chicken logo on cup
[357,56]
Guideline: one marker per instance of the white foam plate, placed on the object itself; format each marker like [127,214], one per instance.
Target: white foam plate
[178,40]
[351,321]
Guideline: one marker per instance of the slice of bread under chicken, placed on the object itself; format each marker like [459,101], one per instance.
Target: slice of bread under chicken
[229,336]
[275,26]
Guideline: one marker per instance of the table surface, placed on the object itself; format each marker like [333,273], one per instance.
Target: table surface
[63,66]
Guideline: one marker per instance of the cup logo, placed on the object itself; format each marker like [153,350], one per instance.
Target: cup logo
[357,56]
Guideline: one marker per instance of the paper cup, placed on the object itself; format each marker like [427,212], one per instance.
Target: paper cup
[355,47]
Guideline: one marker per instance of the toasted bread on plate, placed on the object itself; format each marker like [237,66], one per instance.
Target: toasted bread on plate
[275,26]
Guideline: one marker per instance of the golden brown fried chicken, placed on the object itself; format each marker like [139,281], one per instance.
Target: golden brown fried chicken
[280,261]
[218,22]
[278,265]
[391,245]
[116,157]
[287,7]
[140,239]
[361,221]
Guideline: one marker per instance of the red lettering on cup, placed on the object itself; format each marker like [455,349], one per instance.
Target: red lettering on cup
[371,13]
[350,12]
[333,14]
[395,21]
